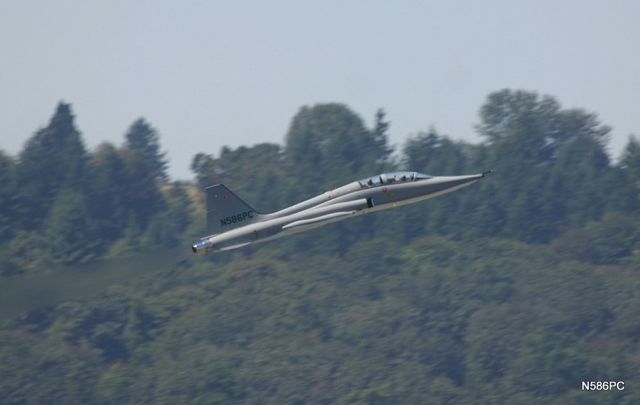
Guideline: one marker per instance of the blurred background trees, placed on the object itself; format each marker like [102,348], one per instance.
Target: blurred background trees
[512,290]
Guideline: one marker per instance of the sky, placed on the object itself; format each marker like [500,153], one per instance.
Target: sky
[211,73]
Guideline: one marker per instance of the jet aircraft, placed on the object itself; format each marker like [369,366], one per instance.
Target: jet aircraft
[233,224]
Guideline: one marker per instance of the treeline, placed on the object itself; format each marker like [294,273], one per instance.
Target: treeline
[553,174]
[58,202]
[434,321]
[513,290]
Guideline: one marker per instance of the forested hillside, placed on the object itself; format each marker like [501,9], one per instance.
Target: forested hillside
[513,290]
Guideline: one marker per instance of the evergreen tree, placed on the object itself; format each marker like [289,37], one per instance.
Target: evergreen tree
[146,168]
[108,197]
[628,185]
[328,144]
[202,165]
[380,136]
[8,223]
[55,157]
[144,143]
[578,183]
[631,157]
[69,228]
[432,153]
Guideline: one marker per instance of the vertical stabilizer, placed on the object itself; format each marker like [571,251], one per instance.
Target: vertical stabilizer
[226,211]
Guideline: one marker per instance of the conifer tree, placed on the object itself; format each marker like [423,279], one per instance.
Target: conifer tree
[53,158]
[629,177]
[143,142]
[69,228]
[329,144]
[109,192]
[7,200]
[146,168]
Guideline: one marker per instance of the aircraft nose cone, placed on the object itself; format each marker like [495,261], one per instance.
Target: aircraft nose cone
[464,180]
[452,183]
[460,180]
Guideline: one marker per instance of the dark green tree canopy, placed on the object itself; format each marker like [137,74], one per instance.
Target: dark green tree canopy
[380,136]
[533,128]
[70,234]
[55,156]
[109,200]
[329,143]
[630,160]
[146,171]
[8,189]
[551,163]
[143,142]
[479,296]
[433,153]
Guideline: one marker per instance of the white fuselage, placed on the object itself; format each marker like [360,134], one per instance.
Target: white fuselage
[352,199]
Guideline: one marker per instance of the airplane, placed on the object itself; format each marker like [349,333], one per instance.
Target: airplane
[233,224]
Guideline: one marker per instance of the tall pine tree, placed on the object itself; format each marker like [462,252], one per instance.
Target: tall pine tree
[108,194]
[146,167]
[55,157]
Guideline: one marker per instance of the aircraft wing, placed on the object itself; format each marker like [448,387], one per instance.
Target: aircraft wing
[317,221]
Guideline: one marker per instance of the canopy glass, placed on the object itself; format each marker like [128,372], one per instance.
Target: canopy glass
[392,178]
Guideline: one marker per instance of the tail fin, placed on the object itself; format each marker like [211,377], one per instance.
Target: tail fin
[226,211]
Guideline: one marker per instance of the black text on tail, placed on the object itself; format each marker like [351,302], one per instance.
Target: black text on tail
[226,211]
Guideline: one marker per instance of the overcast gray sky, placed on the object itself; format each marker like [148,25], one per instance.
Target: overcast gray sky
[214,73]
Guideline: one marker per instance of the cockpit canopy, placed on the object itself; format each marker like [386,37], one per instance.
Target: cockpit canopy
[392,178]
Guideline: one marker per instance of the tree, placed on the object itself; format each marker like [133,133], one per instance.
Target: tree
[144,143]
[551,163]
[577,188]
[146,171]
[55,157]
[108,192]
[69,228]
[433,153]
[380,137]
[202,165]
[328,144]
[526,130]
[601,242]
[8,188]
[258,174]
[629,177]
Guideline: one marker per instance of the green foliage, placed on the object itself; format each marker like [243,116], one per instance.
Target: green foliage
[146,171]
[8,189]
[52,159]
[552,170]
[69,232]
[628,190]
[433,153]
[108,192]
[437,321]
[606,241]
[143,142]
[458,300]
[328,145]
